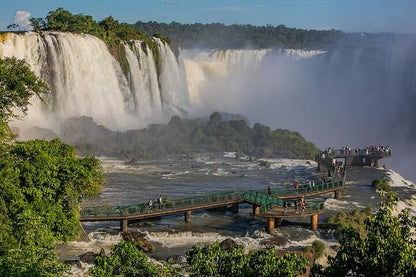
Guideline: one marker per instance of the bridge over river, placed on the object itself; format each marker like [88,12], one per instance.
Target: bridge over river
[271,205]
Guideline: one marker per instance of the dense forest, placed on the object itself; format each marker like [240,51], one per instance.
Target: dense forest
[220,36]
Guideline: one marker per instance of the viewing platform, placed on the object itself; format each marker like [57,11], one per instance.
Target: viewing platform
[355,157]
[270,204]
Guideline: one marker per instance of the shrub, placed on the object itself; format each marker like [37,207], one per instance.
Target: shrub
[318,248]
[381,184]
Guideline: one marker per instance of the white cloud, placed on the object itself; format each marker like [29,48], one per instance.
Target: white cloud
[170,2]
[22,19]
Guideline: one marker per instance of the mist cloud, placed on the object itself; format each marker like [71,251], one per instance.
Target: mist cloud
[350,96]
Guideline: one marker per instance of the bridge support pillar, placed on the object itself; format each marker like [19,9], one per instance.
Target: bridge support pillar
[123,225]
[337,194]
[319,168]
[314,222]
[256,210]
[278,221]
[188,216]
[270,227]
[235,208]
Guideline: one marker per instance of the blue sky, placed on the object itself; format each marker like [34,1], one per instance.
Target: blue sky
[347,15]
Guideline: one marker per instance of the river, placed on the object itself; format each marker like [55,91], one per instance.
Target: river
[179,176]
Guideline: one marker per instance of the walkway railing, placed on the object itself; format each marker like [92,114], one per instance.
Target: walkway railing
[169,205]
[263,198]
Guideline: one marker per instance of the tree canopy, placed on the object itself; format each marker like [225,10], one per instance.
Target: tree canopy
[17,85]
[387,248]
[220,36]
[41,184]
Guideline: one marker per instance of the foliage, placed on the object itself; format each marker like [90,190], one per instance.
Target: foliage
[126,260]
[17,84]
[41,185]
[381,184]
[388,248]
[355,219]
[188,136]
[318,249]
[31,261]
[213,260]
[240,36]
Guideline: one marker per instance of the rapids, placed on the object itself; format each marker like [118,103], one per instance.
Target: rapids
[181,175]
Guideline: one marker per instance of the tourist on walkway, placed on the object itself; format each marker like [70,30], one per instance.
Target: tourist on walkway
[159,201]
[296,187]
[285,205]
[150,205]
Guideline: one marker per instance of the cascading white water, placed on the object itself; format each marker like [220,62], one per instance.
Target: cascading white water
[86,80]
[217,78]
[367,89]
[143,81]
[172,80]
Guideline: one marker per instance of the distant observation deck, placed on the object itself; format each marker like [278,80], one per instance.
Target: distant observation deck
[368,156]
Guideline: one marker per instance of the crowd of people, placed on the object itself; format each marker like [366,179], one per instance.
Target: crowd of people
[346,150]
[159,203]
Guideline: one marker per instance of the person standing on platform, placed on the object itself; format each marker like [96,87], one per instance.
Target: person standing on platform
[150,205]
[159,201]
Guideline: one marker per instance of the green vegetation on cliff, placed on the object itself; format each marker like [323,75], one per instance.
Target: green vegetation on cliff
[109,30]
[216,35]
[187,136]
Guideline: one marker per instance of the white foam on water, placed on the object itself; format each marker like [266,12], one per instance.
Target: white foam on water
[229,154]
[181,239]
[396,180]
[337,205]
[291,163]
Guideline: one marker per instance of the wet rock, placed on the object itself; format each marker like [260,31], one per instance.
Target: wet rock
[228,244]
[275,241]
[136,235]
[140,239]
[146,246]
[74,263]
[88,257]
[176,259]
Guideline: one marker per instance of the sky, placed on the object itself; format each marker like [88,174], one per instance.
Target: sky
[397,16]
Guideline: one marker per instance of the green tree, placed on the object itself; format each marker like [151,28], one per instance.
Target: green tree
[213,260]
[125,259]
[41,184]
[387,249]
[37,24]
[17,85]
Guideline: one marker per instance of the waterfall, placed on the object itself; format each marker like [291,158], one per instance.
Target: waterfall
[86,80]
[217,78]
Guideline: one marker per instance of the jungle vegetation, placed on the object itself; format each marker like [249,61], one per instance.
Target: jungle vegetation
[110,30]
[234,36]
[187,136]
[42,184]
